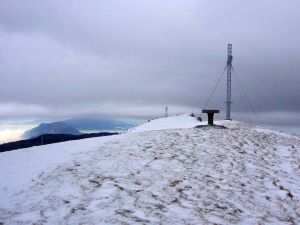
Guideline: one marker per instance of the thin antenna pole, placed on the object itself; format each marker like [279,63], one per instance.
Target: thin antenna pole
[229,69]
[166,112]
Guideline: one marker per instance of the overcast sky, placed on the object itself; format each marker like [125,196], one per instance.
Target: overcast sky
[131,58]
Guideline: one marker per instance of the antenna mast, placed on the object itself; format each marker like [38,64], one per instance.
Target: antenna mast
[229,69]
[166,112]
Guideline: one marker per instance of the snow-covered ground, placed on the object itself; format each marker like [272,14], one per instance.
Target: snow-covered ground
[166,123]
[155,174]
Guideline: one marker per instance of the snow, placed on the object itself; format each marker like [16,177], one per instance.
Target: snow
[178,122]
[166,123]
[25,165]
[163,172]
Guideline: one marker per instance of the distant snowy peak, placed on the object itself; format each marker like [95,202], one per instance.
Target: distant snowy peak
[50,128]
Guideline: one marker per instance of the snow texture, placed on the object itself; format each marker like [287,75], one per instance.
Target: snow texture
[172,122]
[207,175]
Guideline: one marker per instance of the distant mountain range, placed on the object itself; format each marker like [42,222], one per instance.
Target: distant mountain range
[75,125]
[50,128]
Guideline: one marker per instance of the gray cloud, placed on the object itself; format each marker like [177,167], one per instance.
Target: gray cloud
[131,58]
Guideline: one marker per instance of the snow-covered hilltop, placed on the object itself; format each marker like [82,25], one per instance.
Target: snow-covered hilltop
[155,174]
[166,123]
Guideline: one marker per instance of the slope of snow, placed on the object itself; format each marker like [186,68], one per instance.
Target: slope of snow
[239,175]
[172,122]
[177,122]
[24,165]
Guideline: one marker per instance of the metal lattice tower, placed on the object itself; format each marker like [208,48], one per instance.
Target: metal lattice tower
[229,69]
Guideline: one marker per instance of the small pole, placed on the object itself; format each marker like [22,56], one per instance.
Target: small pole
[166,112]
